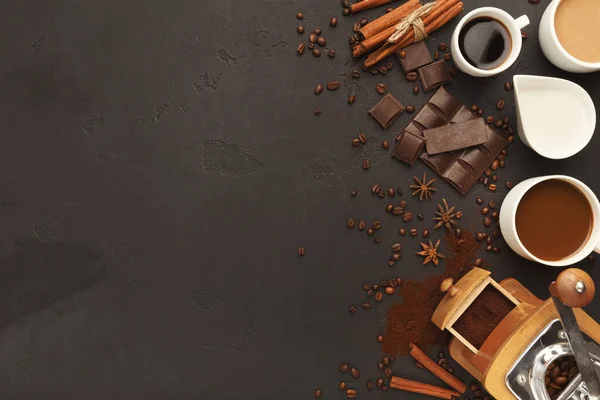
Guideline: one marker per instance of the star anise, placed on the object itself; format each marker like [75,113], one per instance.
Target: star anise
[445,215]
[431,253]
[423,188]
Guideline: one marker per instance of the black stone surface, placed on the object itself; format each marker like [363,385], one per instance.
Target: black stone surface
[160,165]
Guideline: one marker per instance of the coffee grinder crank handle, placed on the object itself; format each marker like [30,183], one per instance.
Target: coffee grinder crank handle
[574,288]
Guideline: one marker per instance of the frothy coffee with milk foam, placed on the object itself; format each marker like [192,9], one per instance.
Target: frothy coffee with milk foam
[577,24]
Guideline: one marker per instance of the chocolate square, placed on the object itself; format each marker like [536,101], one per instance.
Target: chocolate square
[434,75]
[386,111]
[460,177]
[462,115]
[439,162]
[478,161]
[408,148]
[417,55]
[414,129]
[495,144]
[428,118]
[445,102]
[451,137]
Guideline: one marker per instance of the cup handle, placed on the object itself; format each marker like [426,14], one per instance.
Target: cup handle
[522,21]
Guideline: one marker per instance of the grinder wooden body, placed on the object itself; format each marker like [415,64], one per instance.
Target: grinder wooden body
[491,363]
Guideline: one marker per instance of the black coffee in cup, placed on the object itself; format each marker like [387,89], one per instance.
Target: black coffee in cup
[485,43]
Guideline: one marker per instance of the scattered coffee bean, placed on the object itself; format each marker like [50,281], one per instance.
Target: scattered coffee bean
[397,211]
[389,9]
[390,290]
[354,373]
[351,99]
[391,192]
[411,76]
[385,388]
[370,292]
[355,74]
[426,233]
[321,41]
[319,89]
[407,217]
[355,142]
[509,185]
[501,164]
[591,258]
[389,208]
[380,366]
[353,193]
[478,262]
[316,52]
[474,108]
[374,71]
[356,27]
[396,256]
[312,38]
[419,365]
[499,124]
[479,113]
[388,373]
[488,240]
[479,201]
[333,22]
[399,191]
[301,251]
[380,338]
[416,89]
[367,286]
[376,225]
[492,187]
[485,210]
[366,164]
[301,48]
[479,237]
[496,250]
[495,215]
[311,46]
[370,232]
[363,21]
[379,382]
[447,56]
[436,55]
[369,385]
[458,233]
[366,305]
[342,385]
[351,222]
[300,29]
[489,247]
[378,296]
[363,139]
[496,234]
[402,54]
[375,188]
[377,239]
[299,15]
[385,144]
[350,393]
[331,53]
[317,31]
[507,86]
[413,232]
[402,231]
[352,310]
[443,46]
[453,70]
[402,203]
[346,12]
[487,221]
[317,112]
[490,119]
[333,85]
[318,393]
[410,109]
[500,105]
[459,215]
[380,88]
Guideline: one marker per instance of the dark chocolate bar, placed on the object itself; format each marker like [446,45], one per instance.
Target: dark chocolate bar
[460,177]
[416,56]
[456,136]
[409,147]
[434,75]
[428,118]
[386,111]
[445,103]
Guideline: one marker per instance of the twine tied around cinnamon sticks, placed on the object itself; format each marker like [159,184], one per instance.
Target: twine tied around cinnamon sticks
[414,20]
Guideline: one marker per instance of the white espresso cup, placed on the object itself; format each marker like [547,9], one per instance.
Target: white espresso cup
[513,26]
[508,224]
[554,51]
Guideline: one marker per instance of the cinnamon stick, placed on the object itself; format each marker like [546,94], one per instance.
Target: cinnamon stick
[435,369]
[367,4]
[422,388]
[389,19]
[432,23]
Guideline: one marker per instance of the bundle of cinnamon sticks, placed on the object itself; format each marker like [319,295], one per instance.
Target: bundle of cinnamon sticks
[376,33]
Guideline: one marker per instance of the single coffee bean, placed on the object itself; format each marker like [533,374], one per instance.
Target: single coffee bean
[376,225]
[346,12]
[492,204]
[390,290]
[377,239]
[370,292]
[317,31]
[366,305]
[399,191]
[489,247]
[479,201]
[457,233]
[488,172]
[419,365]
[479,112]
[490,119]
[342,385]
[398,281]
[369,385]
[386,360]
[351,99]
[379,382]
[436,55]
[375,188]
[317,112]
[416,89]
[356,27]
[378,296]
[447,56]
[381,194]
[474,108]
[492,187]
[352,310]
[353,193]
[316,52]
[500,105]
[370,232]
[496,250]
[380,338]
[346,3]
[321,41]
[480,237]
[385,388]
[495,215]
[487,221]
[366,286]
[501,164]
[363,21]
[407,217]
[459,215]
[411,76]
[388,373]
[385,144]
[311,46]
[402,231]
[389,9]
[402,203]
[420,216]
[350,393]
[380,88]
[355,74]
[413,232]
[485,210]
[496,234]
[380,366]
[410,109]
[333,22]
[391,192]
[397,211]
[354,373]
[366,164]
[389,208]
[402,54]
[333,85]
[499,124]
[478,262]
[363,139]
[396,256]
[507,86]
[509,185]
[299,15]
[351,222]
[426,233]
[486,181]
[300,29]
[301,48]
[392,283]
[319,89]
[355,142]
[301,251]
[318,393]
[331,54]
[488,240]
[374,71]
[312,38]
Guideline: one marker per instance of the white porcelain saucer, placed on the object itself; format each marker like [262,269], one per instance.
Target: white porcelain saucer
[555,117]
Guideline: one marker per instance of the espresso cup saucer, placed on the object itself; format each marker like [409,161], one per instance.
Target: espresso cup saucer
[555,117]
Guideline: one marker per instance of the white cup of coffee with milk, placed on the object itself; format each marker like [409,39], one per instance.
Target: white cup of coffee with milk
[553,220]
[568,33]
[487,41]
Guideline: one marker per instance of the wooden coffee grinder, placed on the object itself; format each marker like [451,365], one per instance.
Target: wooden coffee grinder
[512,361]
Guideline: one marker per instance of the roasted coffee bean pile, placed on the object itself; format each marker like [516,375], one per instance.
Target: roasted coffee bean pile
[559,374]
[490,219]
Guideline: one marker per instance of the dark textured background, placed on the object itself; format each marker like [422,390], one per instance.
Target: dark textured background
[160,165]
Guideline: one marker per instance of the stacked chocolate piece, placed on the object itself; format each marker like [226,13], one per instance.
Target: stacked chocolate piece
[451,140]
